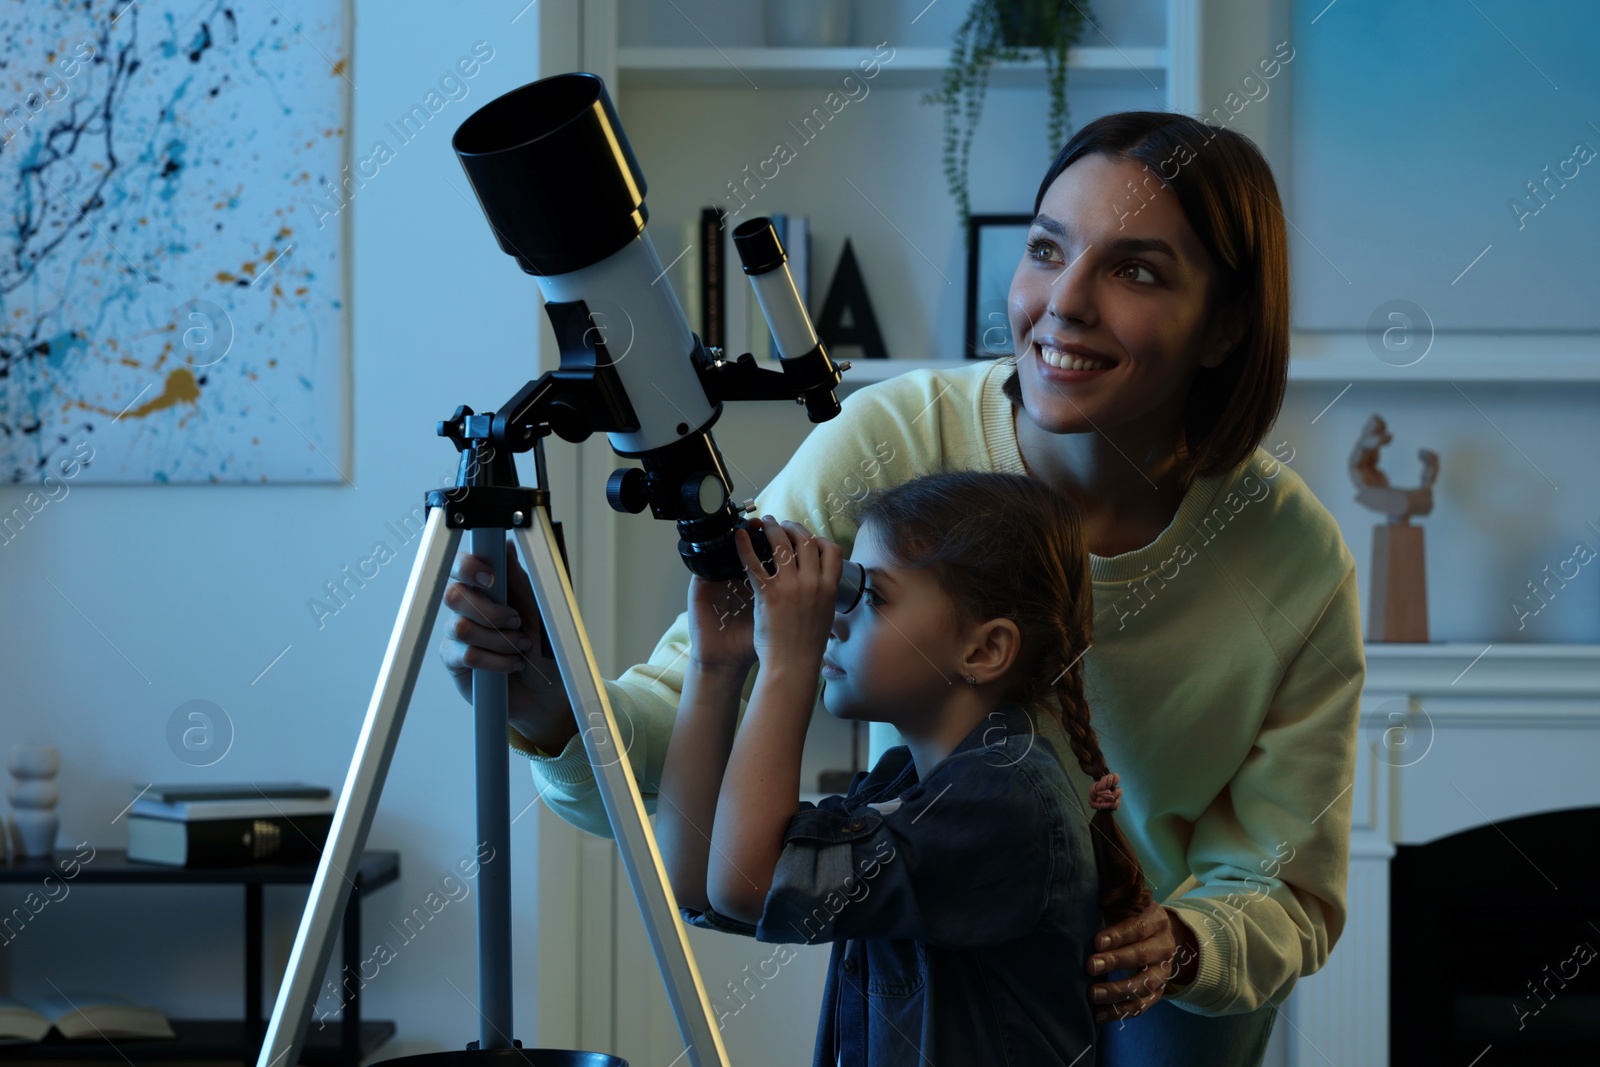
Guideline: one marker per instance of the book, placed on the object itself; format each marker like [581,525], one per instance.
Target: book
[20,1023]
[293,841]
[185,791]
[80,1016]
[713,286]
[741,299]
[242,808]
[799,248]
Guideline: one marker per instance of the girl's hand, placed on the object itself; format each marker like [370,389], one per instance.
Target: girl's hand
[794,607]
[722,623]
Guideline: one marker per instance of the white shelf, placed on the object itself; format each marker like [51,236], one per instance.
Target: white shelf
[1375,370]
[1326,370]
[641,66]
[1339,359]
[1461,670]
[1475,357]
[1433,651]
[865,371]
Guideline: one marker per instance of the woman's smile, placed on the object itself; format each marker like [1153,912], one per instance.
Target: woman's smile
[1056,365]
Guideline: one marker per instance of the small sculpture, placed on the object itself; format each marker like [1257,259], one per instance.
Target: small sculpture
[1399,589]
[33,796]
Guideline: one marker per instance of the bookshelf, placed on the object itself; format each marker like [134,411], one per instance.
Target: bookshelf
[703,98]
[347,1043]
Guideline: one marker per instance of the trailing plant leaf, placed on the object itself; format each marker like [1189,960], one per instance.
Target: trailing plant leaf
[983,39]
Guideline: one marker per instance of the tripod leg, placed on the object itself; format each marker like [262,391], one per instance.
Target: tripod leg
[489,704]
[330,889]
[619,791]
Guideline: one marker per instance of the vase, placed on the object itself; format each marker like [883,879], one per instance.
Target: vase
[808,23]
[34,822]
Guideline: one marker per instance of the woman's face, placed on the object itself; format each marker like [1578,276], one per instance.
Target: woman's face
[1112,266]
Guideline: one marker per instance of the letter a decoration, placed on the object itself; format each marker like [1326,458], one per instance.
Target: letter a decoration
[847,300]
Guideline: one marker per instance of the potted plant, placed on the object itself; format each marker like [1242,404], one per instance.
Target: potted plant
[998,31]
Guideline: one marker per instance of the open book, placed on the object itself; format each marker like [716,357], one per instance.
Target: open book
[79,1015]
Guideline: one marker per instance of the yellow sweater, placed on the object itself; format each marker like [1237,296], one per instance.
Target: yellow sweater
[1224,678]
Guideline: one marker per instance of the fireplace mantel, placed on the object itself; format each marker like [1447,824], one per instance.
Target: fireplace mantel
[1485,670]
[1453,736]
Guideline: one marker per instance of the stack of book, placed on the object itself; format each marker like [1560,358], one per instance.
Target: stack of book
[230,824]
[717,297]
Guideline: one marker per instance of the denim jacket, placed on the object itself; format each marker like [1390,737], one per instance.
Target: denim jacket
[961,909]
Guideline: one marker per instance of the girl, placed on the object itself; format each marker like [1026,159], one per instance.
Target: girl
[1151,336]
[959,880]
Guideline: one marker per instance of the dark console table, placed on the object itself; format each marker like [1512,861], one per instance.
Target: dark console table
[222,1039]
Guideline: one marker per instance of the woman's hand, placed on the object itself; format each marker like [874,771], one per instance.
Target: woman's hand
[722,622]
[504,638]
[794,607]
[1148,943]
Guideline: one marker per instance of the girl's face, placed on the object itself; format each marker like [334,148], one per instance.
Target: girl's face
[1112,265]
[894,657]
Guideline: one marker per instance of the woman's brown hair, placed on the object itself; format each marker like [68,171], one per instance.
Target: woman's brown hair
[1009,546]
[1227,192]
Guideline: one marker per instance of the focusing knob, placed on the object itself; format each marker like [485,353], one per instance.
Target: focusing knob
[626,490]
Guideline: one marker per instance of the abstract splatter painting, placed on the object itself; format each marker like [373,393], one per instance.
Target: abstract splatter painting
[169,305]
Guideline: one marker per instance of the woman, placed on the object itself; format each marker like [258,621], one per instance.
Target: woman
[1227,666]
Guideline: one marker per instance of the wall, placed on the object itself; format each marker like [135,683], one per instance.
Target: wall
[187,593]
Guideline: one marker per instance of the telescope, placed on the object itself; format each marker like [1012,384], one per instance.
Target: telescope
[564,196]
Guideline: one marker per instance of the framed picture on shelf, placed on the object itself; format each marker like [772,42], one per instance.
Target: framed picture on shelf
[995,245]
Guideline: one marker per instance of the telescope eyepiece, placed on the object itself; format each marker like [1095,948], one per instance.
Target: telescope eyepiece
[759,249]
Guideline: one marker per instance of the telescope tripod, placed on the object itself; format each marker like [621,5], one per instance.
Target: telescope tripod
[488,502]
